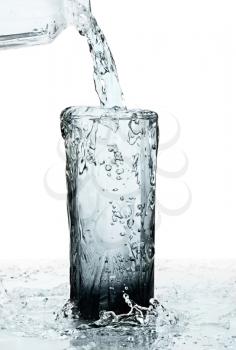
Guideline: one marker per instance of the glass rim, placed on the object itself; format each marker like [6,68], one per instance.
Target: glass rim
[115,113]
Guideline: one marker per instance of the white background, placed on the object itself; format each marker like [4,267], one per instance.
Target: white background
[173,57]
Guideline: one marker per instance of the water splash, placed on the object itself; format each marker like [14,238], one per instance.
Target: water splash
[137,316]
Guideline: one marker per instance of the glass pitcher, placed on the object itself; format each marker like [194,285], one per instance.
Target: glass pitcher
[30,22]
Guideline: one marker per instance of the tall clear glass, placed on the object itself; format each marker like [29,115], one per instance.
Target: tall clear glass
[111,172]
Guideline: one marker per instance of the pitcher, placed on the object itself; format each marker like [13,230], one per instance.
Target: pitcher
[30,22]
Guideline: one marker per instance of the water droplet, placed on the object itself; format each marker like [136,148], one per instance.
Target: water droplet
[108,167]
[153,180]
[130,223]
[131,339]
[120,171]
[126,212]
[114,218]
[112,148]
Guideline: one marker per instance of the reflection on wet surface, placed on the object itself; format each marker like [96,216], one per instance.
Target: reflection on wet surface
[201,294]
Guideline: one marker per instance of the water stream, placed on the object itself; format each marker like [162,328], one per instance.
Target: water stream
[105,72]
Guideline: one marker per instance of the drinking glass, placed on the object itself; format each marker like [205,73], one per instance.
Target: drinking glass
[111,182]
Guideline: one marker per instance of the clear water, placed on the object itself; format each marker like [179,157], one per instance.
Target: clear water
[31,299]
[105,73]
[138,315]
[201,294]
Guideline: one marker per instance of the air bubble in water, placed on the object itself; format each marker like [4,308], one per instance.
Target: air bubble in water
[126,212]
[108,167]
[130,223]
[120,171]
